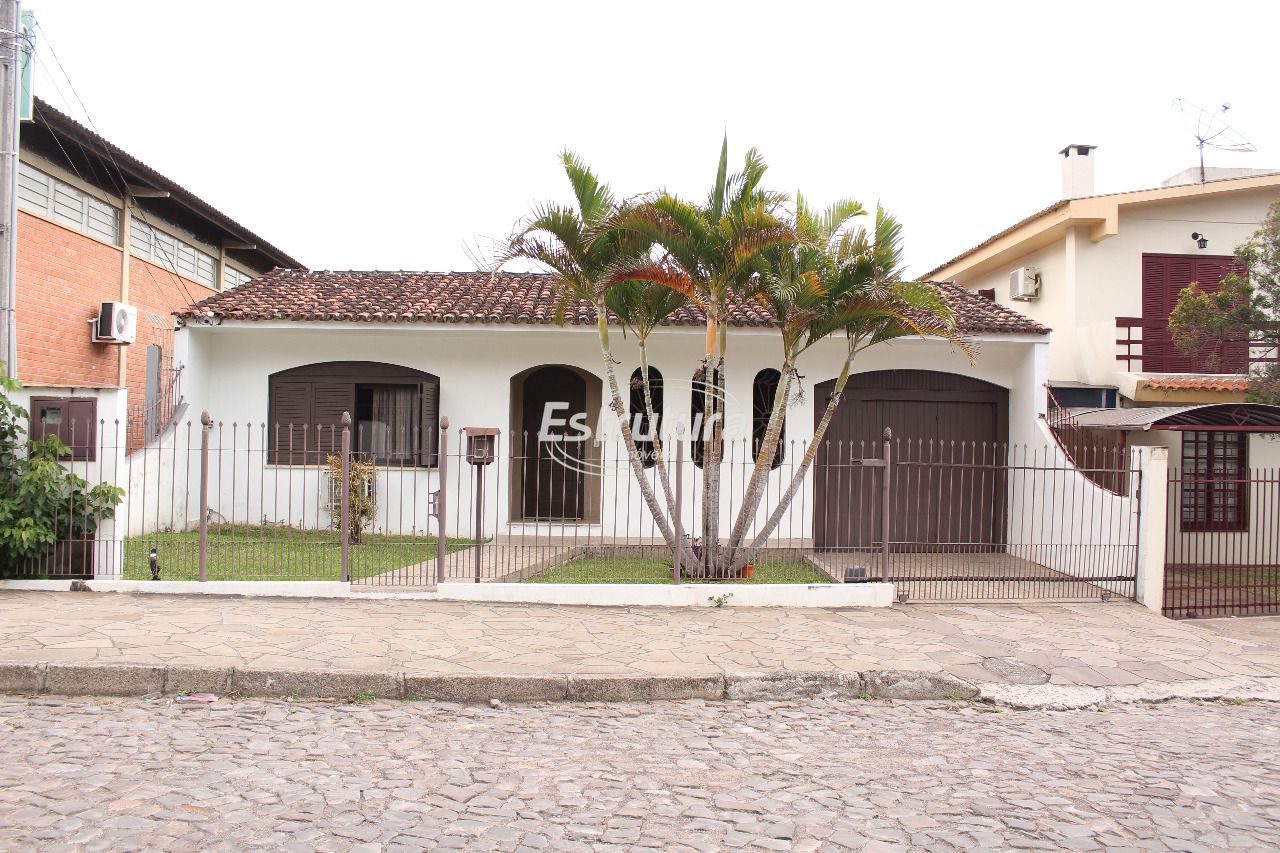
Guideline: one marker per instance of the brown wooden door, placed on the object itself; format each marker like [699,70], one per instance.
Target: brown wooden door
[946,491]
[552,478]
[1163,278]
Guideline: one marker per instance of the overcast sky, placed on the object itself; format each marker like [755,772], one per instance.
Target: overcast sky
[387,135]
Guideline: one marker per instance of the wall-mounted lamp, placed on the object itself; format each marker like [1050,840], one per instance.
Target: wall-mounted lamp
[1201,240]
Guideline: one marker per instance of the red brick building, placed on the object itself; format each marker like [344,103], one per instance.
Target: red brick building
[96,225]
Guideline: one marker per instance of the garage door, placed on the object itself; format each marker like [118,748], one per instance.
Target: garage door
[937,417]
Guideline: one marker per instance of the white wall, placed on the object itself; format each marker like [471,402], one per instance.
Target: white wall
[1059,519]
[229,365]
[1088,284]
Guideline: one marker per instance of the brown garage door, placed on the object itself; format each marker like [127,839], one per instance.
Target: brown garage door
[937,417]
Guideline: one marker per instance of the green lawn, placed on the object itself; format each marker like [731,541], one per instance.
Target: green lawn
[271,553]
[642,570]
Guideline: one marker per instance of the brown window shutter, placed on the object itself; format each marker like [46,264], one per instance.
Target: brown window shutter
[429,423]
[328,401]
[289,413]
[74,420]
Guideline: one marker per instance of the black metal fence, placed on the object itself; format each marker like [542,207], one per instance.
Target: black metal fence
[1222,554]
[215,500]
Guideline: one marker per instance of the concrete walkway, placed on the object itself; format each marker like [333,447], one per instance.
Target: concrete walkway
[1091,645]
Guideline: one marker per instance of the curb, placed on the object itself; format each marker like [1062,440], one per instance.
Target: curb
[64,679]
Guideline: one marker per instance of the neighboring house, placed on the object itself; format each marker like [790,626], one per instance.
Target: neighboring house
[1105,271]
[96,225]
[399,349]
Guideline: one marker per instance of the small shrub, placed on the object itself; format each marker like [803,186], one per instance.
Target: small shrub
[361,502]
[41,502]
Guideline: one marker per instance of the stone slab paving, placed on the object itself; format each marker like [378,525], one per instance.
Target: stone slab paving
[1095,645]
[682,776]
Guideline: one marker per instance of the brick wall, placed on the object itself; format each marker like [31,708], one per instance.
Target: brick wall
[62,276]
[156,293]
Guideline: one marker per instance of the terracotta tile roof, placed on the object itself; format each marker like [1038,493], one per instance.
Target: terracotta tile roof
[475,297]
[1198,383]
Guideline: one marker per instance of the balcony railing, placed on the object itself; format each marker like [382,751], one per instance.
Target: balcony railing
[1145,346]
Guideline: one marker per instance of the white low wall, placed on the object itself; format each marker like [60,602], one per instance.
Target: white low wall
[671,595]
[599,595]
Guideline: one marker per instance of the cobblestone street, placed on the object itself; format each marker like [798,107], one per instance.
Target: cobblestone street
[129,774]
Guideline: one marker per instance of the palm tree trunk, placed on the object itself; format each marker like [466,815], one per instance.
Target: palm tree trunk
[637,466]
[811,453]
[763,463]
[687,557]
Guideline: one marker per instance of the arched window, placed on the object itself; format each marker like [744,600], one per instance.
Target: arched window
[700,417]
[763,389]
[643,431]
[394,410]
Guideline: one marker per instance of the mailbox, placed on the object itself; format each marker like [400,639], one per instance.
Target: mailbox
[482,444]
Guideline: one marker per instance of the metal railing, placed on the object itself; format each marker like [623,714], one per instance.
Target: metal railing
[1222,554]
[145,421]
[1099,455]
[213,500]
[1144,345]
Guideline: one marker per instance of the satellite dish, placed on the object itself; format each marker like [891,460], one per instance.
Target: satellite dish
[1213,131]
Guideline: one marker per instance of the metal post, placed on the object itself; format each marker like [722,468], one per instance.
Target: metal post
[206,426]
[9,58]
[885,519]
[678,521]
[442,463]
[479,546]
[344,523]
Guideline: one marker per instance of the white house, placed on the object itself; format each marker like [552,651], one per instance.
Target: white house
[1104,271]
[399,350]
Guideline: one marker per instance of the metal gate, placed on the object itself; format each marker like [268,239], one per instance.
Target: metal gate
[1222,554]
[954,521]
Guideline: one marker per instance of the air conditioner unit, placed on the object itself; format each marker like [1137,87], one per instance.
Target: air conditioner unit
[1024,284]
[117,323]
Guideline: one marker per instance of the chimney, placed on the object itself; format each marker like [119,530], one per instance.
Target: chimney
[1077,171]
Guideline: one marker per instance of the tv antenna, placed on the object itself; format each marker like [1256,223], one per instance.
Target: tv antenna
[1213,131]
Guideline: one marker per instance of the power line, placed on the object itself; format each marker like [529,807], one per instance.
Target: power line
[121,185]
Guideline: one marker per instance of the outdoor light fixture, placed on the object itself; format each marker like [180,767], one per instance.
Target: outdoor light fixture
[1201,240]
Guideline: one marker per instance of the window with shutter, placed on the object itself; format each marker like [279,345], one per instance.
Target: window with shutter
[1164,277]
[1215,481]
[642,430]
[394,412]
[702,419]
[74,420]
[763,391]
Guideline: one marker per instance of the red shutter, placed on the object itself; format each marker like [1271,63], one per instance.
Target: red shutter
[1163,278]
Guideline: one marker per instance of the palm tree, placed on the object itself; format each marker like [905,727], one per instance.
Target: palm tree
[708,254]
[642,260]
[863,297]
[583,254]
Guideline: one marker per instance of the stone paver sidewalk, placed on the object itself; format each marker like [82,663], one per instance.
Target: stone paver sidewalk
[1098,645]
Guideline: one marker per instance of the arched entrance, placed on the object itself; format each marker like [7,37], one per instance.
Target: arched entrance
[552,455]
[932,413]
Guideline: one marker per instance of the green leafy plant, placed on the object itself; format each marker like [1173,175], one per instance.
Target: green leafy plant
[1242,312]
[362,505]
[42,504]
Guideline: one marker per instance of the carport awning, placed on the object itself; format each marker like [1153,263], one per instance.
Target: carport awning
[1237,417]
